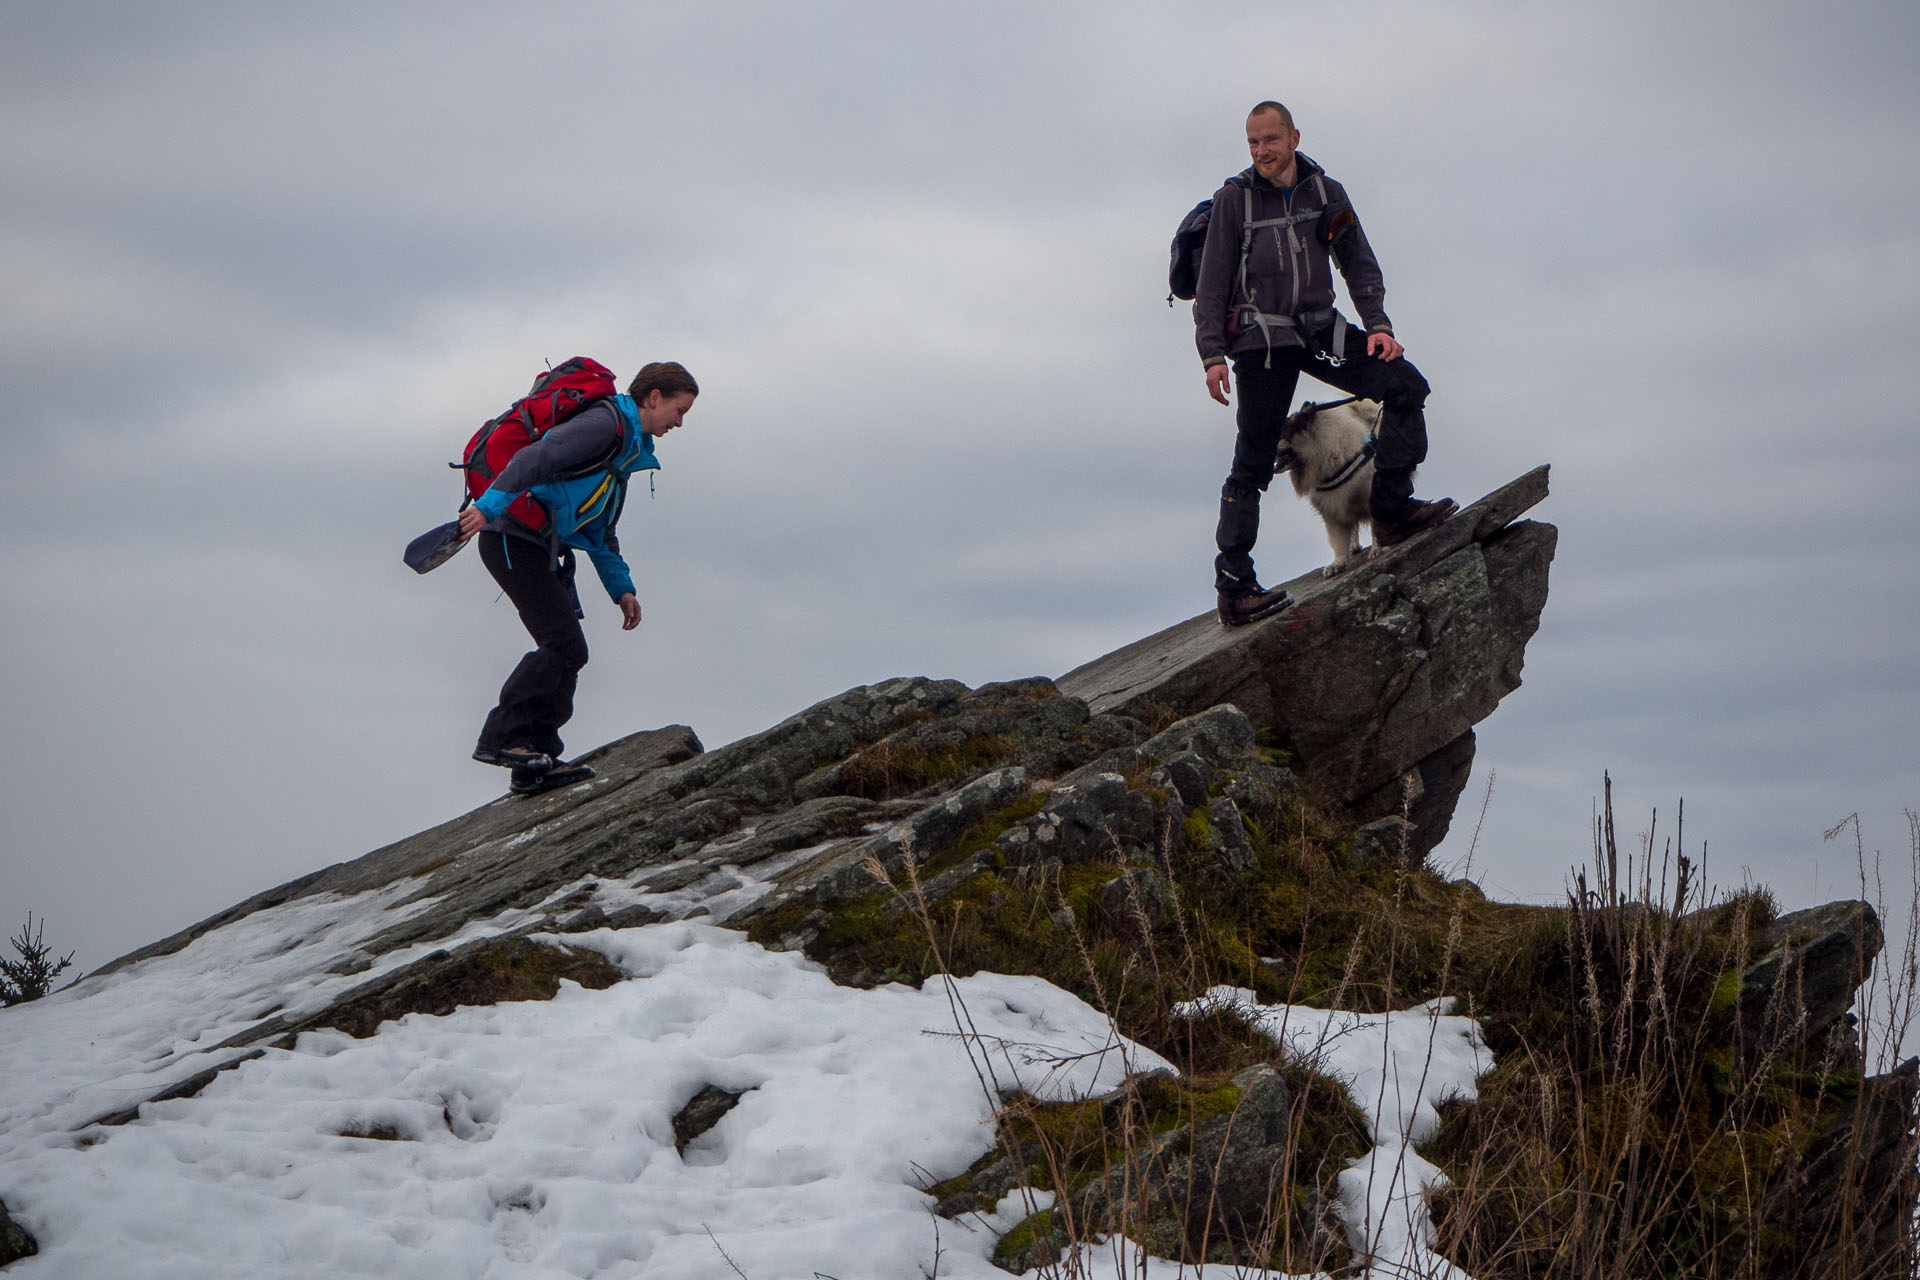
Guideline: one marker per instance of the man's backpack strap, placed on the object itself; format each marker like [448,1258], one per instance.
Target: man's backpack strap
[1306,325]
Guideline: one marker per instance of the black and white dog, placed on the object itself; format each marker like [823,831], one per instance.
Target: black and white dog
[1328,450]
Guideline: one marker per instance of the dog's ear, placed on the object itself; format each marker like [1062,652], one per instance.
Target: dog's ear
[1285,460]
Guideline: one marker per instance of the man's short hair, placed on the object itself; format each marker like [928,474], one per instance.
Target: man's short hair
[1285,114]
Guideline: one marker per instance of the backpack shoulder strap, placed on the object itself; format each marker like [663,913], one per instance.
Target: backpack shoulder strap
[621,431]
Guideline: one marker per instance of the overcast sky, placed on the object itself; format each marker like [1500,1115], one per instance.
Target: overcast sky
[266,267]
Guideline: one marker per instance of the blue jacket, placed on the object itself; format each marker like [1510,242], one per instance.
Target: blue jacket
[584,508]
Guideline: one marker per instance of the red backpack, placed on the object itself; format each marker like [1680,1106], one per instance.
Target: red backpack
[556,395]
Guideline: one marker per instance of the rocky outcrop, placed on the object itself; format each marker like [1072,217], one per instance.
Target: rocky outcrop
[1121,813]
[1373,677]
[1372,682]
[1810,965]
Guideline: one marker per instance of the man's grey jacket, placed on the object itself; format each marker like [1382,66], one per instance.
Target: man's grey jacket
[1243,307]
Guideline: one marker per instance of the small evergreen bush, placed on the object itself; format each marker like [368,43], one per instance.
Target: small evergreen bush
[32,975]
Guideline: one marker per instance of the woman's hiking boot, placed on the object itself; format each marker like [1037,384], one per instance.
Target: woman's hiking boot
[1251,606]
[531,782]
[514,758]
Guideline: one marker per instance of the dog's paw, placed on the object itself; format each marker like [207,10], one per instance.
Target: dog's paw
[1334,569]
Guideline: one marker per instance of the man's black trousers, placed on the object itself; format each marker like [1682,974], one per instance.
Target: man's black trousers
[538,697]
[1266,396]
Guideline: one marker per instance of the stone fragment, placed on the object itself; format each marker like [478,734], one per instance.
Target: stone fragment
[187,1088]
[802,935]
[848,872]
[1229,835]
[1382,845]
[590,918]
[1220,733]
[941,885]
[1030,842]
[584,920]
[1804,981]
[988,1182]
[15,1241]
[1099,820]
[1217,1175]
[1188,776]
[1135,902]
[485,971]
[702,1112]
[1257,787]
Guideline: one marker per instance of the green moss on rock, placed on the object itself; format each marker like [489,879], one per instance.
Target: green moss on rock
[491,971]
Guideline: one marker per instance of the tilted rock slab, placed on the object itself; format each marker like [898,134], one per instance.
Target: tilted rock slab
[1374,679]
[663,814]
[788,816]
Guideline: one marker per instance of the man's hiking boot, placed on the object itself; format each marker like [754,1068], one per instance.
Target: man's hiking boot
[1420,517]
[514,758]
[531,782]
[1252,606]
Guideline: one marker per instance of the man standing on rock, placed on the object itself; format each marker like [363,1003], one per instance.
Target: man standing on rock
[1265,301]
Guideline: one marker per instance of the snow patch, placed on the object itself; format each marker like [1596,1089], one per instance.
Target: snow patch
[535,1139]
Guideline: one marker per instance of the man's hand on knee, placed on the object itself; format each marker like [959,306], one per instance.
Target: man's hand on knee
[1385,346]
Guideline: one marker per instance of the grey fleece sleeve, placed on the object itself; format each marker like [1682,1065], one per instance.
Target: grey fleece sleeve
[584,438]
[1361,270]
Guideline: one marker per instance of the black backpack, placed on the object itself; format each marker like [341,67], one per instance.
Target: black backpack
[1183,274]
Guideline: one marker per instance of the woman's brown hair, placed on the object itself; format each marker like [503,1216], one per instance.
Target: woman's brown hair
[664,376]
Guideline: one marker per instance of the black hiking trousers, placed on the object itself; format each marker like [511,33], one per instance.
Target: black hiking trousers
[1266,397]
[538,697]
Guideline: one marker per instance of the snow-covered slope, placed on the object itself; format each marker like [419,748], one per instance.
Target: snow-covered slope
[535,1139]
[530,1139]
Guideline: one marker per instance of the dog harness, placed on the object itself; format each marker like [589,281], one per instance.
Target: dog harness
[1348,469]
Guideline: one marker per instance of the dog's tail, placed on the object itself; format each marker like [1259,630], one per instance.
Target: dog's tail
[1304,414]
[1297,421]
